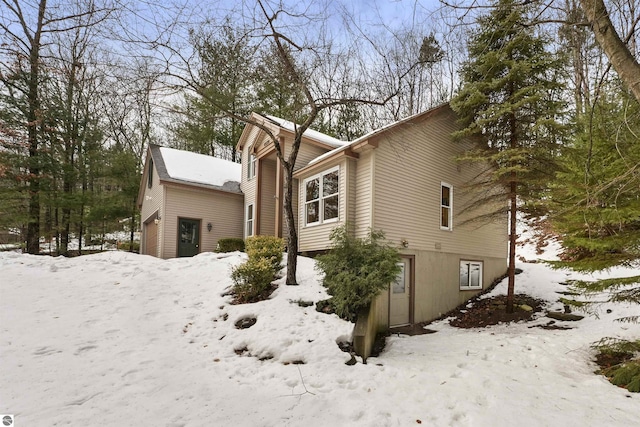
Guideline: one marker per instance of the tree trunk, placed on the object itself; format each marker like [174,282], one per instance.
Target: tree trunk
[619,55]
[513,209]
[292,234]
[132,225]
[33,97]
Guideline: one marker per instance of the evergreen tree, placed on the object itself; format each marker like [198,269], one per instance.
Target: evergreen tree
[510,103]
[226,74]
[596,201]
[276,93]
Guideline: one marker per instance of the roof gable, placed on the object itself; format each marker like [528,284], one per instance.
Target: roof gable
[375,133]
[274,123]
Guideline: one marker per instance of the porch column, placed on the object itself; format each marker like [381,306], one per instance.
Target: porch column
[258,205]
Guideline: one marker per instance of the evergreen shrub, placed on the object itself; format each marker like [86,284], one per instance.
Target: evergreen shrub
[622,356]
[252,280]
[266,247]
[230,244]
[357,270]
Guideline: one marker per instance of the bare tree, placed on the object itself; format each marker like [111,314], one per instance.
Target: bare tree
[619,52]
[300,41]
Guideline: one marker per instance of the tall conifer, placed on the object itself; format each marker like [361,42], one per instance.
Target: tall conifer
[510,103]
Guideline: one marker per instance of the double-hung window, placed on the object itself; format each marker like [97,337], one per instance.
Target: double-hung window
[470,275]
[251,166]
[446,206]
[249,224]
[322,200]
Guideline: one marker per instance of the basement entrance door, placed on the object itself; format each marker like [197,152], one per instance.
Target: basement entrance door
[188,237]
[400,296]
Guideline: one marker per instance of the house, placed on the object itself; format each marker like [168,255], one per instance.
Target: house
[188,202]
[262,175]
[402,179]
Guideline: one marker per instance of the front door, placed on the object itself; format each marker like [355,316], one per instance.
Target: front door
[188,237]
[400,296]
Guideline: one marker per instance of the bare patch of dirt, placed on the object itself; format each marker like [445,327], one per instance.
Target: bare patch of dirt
[492,311]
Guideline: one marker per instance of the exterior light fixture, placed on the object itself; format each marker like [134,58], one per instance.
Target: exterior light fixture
[209,226]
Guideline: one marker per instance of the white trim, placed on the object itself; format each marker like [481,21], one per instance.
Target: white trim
[467,265]
[249,231]
[321,198]
[449,207]
[251,166]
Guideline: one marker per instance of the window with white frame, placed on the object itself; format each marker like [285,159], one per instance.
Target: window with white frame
[249,226]
[470,274]
[446,206]
[322,200]
[251,166]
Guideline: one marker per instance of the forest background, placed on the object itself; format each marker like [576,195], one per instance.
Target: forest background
[86,85]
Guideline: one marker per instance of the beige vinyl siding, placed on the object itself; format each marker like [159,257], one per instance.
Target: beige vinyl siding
[437,287]
[363,193]
[306,153]
[248,186]
[316,237]
[152,202]
[267,194]
[350,194]
[222,210]
[410,165]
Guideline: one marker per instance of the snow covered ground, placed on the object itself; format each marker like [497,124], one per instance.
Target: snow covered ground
[118,339]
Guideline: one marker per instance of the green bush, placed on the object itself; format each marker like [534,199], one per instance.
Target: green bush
[357,270]
[230,244]
[252,280]
[626,375]
[616,357]
[266,247]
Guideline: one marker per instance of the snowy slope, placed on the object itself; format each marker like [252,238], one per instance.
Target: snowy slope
[119,339]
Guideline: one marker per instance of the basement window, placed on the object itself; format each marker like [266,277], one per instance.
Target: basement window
[470,275]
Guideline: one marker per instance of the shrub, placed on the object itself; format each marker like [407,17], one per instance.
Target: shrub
[616,357]
[357,270]
[626,375]
[252,280]
[230,244]
[266,247]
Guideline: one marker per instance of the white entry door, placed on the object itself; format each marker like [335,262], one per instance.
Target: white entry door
[400,296]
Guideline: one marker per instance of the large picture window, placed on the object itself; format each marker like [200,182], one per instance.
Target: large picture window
[446,206]
[470,274]
[249,226]
[322,200]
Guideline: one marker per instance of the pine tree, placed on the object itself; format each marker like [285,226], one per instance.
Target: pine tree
[510,103]
[226,74]
[596,201]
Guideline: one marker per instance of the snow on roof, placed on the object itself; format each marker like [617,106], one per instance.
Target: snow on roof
[309,133]
[199,168]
